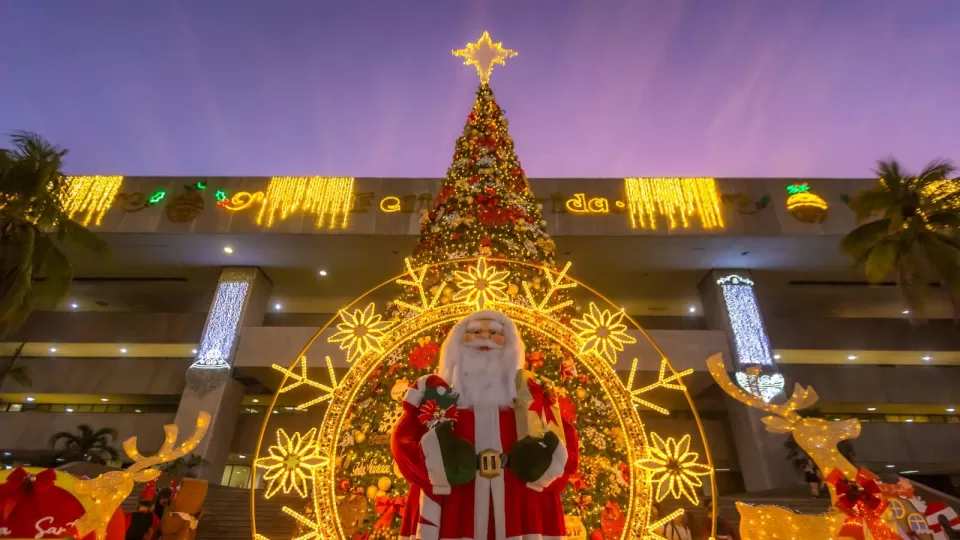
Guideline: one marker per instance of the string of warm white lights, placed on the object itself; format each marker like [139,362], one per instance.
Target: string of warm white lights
[91,196]
[326,198]
[750,338]
[220,333]
[677,199]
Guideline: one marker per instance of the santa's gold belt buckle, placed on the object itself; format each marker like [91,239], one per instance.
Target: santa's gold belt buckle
[490,463]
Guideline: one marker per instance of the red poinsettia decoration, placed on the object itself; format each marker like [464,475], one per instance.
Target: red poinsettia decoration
[543,401]
[862,502]
[343,485]
[535,360]
[424,354]
[567,368]
[444,194]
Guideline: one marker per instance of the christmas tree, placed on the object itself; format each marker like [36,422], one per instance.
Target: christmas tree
[484,208]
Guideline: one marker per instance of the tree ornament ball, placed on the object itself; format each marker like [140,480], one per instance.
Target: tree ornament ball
[372,491]
[539,206]
[469,200]
[396,470]
[359,437]
[581,393]
[543,223]
[384,483]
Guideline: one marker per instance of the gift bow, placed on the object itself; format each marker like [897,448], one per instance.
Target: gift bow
[21,484]
[431,413]
[386,507]
[859,501]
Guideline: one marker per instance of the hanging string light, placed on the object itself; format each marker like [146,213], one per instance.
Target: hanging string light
[327,198]
[677,199]
[91,196]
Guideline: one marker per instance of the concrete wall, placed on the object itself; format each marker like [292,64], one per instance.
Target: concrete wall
[931,385]
[927,447]
[32,430]
[265,345]
[146,376]
[861,334]
[111,327]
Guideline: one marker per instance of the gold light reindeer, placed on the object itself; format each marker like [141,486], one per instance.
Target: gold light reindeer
[817,437]
[110,489]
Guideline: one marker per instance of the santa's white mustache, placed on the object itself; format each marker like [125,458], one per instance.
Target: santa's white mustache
[483,344]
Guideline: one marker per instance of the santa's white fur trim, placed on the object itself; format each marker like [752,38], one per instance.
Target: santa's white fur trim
[434,460]
[415,393]
[449,368]
[487,491]
[429,510]
[558,463]
[428,532]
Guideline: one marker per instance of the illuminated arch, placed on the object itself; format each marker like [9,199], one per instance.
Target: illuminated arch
[534,312]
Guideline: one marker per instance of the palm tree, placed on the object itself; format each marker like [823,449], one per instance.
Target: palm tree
[17,373]
[916,235]
[87,445]
[33,226]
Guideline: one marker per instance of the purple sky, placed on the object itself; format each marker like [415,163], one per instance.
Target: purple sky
[600,88]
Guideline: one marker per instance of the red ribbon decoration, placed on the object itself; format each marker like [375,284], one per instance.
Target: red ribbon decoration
[20,484]
[430,412]
[859,500]
[386,507]
[542,402]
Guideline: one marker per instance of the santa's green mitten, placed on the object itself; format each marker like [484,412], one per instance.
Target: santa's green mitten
[530,458]
[459,457]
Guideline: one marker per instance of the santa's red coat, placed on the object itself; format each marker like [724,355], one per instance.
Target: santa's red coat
[514,510]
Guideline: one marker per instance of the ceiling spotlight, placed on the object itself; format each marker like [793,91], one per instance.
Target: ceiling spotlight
[927,358]
[776,357]
[255,400]
[909,420]
[74,305]
[137,410]
[891,466]
[692,309]
[53,349]
[103,399]
[322,272]
[228,250]
[30,399]
[871,409]
[194,351]
[852,357]
[243,456]
[69,409]
[906,312]
[951,409]
[278,306]
[123,350]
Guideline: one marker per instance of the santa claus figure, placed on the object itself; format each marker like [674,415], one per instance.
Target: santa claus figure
[482,443]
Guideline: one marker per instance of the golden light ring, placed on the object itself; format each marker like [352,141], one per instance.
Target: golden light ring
[324,484]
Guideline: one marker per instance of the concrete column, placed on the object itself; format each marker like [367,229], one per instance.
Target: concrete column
[729,304]
[240,300]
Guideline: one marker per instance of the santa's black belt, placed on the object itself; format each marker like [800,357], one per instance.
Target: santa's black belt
[491,463]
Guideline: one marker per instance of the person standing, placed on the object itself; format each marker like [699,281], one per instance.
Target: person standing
[725,531]
[811,475]
[678,529]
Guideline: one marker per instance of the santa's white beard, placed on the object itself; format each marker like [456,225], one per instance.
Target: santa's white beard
[487,378]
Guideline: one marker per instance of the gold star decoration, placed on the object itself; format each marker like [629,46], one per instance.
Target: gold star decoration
[415,279]
[603,332]
[674,468]
[291,462]
[481,284]
[662,382]
[484,54]
[360,331]
[301,379]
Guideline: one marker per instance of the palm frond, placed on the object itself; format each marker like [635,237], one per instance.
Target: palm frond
[891,174]
[946,219]
[861,240]
[106,434]
[868,203]
[19,375]
[934,171]
[70,438]
[882,260]
[54,273]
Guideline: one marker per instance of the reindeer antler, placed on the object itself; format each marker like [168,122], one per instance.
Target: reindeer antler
[110,489]
[785,414]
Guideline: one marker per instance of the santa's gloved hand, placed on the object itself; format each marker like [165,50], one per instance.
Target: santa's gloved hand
[530,458]
[459,457]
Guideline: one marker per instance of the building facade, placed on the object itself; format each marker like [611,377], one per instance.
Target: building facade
[225,277]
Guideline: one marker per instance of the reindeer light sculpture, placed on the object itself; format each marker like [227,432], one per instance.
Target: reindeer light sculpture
[110,489]
[817,437]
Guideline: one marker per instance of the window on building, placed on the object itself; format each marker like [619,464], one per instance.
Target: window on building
[897,508]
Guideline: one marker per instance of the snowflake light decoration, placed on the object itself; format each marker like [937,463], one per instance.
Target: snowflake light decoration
[291,462]
[360,332]
[674,468]
[481,284]
[603,333]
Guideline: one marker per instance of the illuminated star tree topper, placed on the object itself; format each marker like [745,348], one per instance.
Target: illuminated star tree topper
[484,54]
